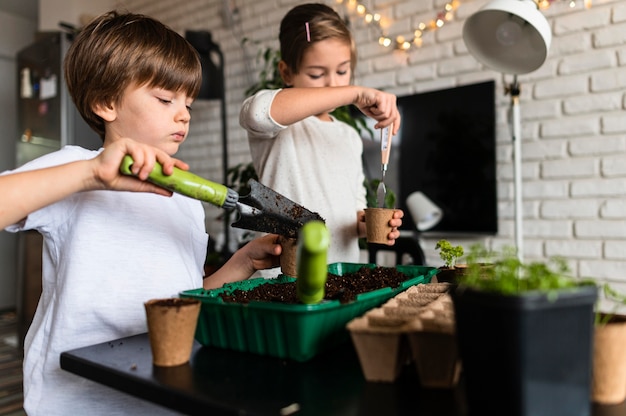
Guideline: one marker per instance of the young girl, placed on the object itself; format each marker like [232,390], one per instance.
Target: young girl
[105,253]
[297,147]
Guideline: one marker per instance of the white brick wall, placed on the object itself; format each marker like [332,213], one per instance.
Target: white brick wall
[572,108]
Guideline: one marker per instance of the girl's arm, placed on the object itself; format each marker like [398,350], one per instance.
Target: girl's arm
[294,104]
[28,191]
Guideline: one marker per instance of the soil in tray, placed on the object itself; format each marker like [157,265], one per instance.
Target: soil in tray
[343,288]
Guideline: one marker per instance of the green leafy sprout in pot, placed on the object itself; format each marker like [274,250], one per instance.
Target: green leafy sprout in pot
[371,186]
[449,253]
[504,273]
[603,318]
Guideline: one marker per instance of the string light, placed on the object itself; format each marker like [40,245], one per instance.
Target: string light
[544,4]
[401,42]
[444,16]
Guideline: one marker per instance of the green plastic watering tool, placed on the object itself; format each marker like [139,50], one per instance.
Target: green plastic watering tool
[313,242]
[189,184]
[262,210]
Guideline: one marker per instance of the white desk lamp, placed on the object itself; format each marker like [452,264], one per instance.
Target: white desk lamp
[424,212]
[512,37]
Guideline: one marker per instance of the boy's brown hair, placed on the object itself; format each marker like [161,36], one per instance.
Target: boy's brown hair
[117,50]
[309,23]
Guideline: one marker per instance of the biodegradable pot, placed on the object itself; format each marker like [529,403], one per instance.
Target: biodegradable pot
[377,224]
[436,358]
[288,257]
[382,351]
[171,329]
[447,275]
[455,275]
[527,354]
[609,362]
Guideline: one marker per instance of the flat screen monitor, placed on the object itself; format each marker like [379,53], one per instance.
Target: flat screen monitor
[446,149]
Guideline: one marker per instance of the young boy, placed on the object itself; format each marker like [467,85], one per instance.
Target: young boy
[106,253]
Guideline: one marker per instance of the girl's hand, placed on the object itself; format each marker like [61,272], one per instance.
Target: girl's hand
[379,105]
[361,228]
[395,223]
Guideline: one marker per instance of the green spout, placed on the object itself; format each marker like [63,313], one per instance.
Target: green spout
[313,244]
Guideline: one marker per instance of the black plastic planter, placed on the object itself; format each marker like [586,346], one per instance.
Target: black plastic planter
[526,355]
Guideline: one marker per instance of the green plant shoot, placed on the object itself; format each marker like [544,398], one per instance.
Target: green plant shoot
[448,253]
[612,295]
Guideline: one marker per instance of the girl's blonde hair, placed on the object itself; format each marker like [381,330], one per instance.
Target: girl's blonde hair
[309,23]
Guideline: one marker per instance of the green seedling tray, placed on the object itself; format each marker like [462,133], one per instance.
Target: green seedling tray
[294,331]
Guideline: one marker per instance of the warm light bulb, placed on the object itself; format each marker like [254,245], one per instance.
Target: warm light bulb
[368,18]
[360,9]
[508,33]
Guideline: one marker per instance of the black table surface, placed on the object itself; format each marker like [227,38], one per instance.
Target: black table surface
[224,382]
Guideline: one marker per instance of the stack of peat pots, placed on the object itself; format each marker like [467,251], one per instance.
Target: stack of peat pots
[416,326]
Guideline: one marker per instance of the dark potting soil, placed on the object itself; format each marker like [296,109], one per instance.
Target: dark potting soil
[342,288]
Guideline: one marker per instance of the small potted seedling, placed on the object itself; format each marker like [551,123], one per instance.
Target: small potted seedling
[449,254]
[525,334]
[609,354]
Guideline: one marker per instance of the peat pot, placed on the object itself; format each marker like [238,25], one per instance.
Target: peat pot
[609,361]
[528,354]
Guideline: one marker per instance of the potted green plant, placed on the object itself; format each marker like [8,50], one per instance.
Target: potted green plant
[609,354]
[449,254]
[525,334]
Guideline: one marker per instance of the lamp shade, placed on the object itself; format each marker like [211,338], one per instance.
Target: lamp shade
[509,36]
[424,212]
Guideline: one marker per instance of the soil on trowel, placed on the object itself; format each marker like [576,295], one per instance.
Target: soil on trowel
[342,288]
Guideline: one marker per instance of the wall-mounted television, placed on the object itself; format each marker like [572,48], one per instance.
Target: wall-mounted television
[446,148]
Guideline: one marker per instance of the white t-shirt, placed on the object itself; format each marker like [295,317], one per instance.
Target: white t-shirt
[104,254]
[314,163]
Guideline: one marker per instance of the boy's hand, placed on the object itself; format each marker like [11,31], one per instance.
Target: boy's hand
[106,167]
[258,254]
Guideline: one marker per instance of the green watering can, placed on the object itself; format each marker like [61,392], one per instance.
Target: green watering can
[313,242]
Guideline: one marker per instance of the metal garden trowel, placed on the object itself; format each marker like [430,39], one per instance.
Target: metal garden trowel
[263,210]
[385,148]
